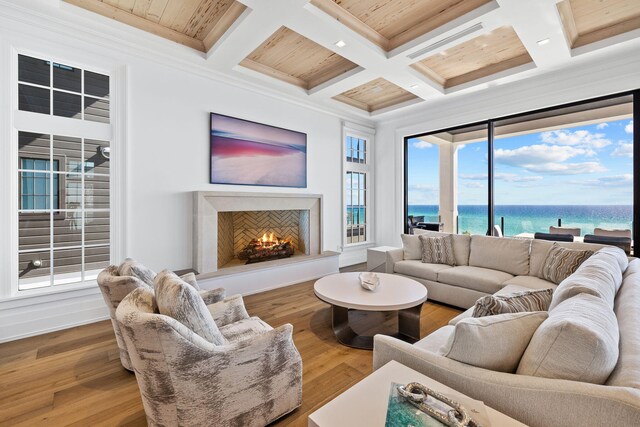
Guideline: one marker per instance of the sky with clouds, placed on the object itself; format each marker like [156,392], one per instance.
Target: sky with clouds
[584,165]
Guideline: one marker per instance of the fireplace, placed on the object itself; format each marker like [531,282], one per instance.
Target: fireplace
[235,232]
[248,237]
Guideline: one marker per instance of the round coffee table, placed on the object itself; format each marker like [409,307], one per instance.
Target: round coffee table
[395,293]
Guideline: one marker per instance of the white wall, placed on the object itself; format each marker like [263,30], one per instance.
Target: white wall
[169,95]
[590,75]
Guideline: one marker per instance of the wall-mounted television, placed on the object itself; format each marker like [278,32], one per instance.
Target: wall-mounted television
[250,153]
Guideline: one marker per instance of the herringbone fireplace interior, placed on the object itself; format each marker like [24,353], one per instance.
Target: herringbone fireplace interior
[238,230]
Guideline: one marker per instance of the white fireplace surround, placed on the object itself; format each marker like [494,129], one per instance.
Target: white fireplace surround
[207,205]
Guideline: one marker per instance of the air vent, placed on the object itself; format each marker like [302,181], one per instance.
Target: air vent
[447,40]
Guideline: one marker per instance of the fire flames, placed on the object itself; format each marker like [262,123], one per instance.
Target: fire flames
[267,247]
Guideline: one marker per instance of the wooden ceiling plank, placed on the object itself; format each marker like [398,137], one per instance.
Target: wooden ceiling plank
[568,23]
[346,18]
[177,14]
[376,94]
[441,18]
[226,21]
[155,10]
[607,32]
[207,14]
[141,7]
[479,57]
[126,5]
[295,55]
[264,69]
[488,70]
[124,17]
[428,72]
[361,105]
[391,102]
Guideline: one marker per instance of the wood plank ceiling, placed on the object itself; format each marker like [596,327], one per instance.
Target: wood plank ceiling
[198,24]
[390,24]
[488,54]
[375,95]
[589,21]
[452,44]
[295,59]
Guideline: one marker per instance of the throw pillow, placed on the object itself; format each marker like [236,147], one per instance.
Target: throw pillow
[437,250]
[179,300]
[578,342]
[496,343]
[516,302]
[411,246]
[562,263]
[190,278]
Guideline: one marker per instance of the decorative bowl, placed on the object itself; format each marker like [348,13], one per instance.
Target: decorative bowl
[369,281]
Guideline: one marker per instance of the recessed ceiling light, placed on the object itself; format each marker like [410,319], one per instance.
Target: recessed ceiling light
[543,42]
[341,43]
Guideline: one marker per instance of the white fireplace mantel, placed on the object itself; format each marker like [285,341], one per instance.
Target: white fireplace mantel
[207,205]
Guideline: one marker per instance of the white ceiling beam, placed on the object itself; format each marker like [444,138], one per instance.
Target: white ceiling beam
[534,21]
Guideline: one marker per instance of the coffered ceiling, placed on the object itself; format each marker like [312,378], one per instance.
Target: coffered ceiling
[373,57]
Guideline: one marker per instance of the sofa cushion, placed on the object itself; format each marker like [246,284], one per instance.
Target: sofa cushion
[476,278]
[243,329]
[435,340]
[133,268]
[493,342]
[461,245]
[540,250]
[578,342]
[500,253]
[531,282]
[627,309]
[437,249]
[562,262]
[525,301]
[599,275]
[419,269]
[179,300]
[411,246]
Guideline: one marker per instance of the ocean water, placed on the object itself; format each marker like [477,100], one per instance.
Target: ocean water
[534,218]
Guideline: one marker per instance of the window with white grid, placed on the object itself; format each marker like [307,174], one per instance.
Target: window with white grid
[357,189]
[63,191]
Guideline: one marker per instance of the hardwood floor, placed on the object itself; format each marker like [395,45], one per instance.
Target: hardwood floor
[74,377]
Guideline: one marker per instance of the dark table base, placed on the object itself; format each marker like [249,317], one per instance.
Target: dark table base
[408,327]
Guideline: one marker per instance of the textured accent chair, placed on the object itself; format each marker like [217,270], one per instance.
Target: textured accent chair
[116,282]
[574,231]
[251,379]
[554,237]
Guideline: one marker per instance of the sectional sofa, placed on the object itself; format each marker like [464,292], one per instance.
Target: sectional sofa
[484,266]
[580,366]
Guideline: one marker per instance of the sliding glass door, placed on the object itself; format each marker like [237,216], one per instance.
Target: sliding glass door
[570,166]
[422,181]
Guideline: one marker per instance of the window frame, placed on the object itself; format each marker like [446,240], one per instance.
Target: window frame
[16,120]
[62,181]
[366,167]
[635,93]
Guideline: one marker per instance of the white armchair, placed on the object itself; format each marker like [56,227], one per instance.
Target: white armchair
[251,379]
[116,282]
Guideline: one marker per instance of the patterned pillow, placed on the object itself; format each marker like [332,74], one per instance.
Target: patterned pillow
[516,302]
[179,300]
[561,263]
[437,250]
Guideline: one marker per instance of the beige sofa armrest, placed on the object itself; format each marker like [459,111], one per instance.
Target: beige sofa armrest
[393,256]
[534,401]
[228,311]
